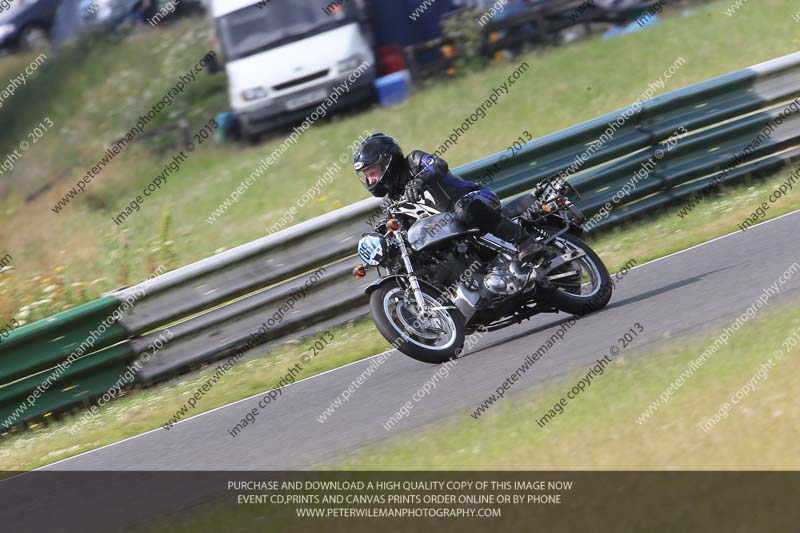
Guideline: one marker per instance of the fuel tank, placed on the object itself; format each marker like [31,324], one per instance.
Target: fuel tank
[436,229]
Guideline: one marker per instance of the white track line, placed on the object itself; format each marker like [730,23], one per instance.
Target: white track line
[160,428]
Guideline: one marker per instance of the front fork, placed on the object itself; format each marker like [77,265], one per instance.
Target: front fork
[412,277]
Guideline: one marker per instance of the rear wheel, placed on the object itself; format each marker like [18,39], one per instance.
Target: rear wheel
[581,286]
[433,339]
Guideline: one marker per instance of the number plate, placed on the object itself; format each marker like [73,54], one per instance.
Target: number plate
[304,100]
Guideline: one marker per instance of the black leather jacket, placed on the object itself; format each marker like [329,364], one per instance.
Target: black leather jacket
[442,187]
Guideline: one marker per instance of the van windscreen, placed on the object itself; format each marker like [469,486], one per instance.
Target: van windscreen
[267,25]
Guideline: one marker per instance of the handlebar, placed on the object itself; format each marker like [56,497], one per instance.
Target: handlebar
[401,202]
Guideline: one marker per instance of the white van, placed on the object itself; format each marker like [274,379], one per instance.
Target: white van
[284,57]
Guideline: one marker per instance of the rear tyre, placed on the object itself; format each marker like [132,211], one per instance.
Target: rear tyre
[586,291]
[433,340]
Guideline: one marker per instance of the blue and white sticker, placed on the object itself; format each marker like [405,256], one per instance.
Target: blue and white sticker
[370,250]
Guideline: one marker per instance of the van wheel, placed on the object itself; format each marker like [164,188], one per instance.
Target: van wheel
[251,138]
[33,38]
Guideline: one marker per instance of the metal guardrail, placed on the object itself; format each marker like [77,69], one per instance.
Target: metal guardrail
[214,307]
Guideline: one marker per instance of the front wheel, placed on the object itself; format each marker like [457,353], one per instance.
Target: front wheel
[581,286]
[434,339]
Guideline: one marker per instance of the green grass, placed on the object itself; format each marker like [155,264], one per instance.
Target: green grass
[95,95]
[598,429]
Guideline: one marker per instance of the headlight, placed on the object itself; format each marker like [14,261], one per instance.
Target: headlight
[6,30]
[256,93]
[370,249]
[351,63]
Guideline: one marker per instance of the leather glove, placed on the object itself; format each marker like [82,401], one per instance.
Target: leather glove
[415,190]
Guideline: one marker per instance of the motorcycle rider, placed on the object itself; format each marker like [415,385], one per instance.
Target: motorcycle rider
[424,178]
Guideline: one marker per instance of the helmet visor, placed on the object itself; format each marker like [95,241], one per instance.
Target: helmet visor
[373,174]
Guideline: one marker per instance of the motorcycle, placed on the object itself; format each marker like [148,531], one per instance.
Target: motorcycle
[440,281]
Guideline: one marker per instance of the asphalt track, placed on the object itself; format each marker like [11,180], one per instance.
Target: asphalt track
[698,290]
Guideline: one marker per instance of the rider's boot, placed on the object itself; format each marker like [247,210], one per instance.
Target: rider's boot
[528,246]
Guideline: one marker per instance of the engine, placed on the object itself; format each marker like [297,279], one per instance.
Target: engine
[444,268]
[506,277]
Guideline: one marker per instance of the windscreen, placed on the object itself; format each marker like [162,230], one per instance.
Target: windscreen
[257,28]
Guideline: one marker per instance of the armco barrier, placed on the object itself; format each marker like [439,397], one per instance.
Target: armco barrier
[53,362]
[213,307]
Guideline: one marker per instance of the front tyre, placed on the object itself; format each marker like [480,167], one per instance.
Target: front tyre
[434,339]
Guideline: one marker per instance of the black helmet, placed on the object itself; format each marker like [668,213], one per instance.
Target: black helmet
[381,152]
